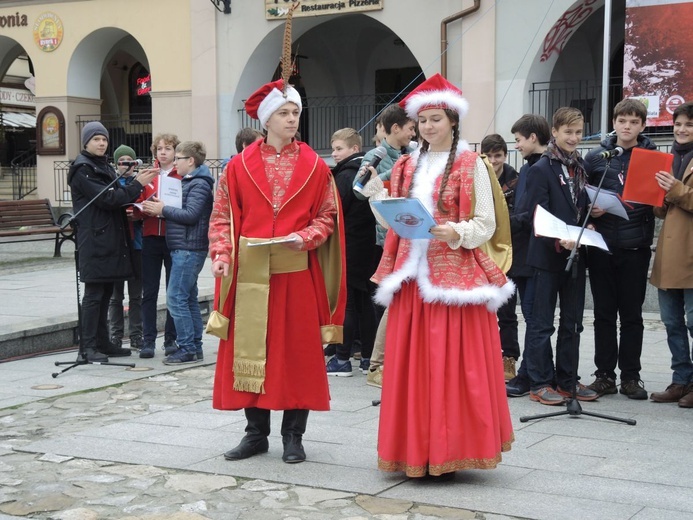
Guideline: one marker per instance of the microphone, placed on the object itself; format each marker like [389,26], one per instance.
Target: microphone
[129,164]
[608,154]
[364,174]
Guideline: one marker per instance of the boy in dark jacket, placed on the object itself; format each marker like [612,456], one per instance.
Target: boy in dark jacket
[618,278]
[557,183]
[359,226]
[186,238]
[103,236]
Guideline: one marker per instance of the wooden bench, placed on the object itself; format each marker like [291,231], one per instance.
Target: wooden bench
[31,221]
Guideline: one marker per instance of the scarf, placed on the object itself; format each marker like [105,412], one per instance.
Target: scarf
[571,161]
[683,153]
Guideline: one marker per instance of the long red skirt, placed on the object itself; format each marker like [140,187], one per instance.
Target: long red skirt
[444,406]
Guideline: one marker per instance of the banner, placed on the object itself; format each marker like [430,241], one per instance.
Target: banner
[656,65]
[277,9]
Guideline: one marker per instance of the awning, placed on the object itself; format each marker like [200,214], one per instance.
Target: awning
[18,120]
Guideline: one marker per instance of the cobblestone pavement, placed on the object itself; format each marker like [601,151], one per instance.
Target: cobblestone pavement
[49,486]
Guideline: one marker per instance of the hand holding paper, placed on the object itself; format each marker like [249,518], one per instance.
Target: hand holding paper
[546,225]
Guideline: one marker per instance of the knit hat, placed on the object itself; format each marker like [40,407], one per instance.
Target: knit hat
[123,149]
[91,129]
[435,92]
[269,98]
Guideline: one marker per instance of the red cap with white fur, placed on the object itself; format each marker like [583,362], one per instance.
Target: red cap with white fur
[266,100]
[435,92]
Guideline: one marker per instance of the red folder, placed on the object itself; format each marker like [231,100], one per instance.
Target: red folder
[641,185]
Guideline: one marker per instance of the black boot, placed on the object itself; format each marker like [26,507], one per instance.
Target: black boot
[256,433]
[293,428]
[93,356]
[114,350]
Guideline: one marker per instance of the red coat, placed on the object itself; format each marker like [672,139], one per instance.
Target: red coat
[298,302]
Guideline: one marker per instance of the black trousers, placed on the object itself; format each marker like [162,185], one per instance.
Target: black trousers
[95,315]
[618,282]
[360,317]
[507,325]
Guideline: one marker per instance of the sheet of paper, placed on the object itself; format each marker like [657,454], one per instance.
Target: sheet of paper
[270,242]
[546,225]
[171,191]
[406,217]
[608,201]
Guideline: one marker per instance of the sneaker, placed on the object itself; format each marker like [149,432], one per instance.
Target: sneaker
[336,367]
[509,368]
[170,347]
[116,342]
[364,365]
[330,350]
[546,395]
[517,387]
[181,357]
[200,355]
[136,343]
[604,385]
[375,377]
[147,351]
[582,393]
[634,389]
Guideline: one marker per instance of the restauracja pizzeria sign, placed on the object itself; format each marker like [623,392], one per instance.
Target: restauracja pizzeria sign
[277,9]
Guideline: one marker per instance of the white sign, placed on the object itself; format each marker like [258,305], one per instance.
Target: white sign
[16,97]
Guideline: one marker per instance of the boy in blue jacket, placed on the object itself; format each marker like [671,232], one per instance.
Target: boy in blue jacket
[186,237]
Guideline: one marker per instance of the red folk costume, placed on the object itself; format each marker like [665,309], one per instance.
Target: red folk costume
[265,193]
[444,406]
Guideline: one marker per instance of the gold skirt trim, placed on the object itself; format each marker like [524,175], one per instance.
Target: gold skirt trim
[447,467]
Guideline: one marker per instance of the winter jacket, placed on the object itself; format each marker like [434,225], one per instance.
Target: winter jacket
[359,224]
[103,234]
[521,224]
[187,227]
[638,230]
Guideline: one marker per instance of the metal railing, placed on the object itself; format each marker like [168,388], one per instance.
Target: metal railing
[61,169]
[24,174]
[322,116]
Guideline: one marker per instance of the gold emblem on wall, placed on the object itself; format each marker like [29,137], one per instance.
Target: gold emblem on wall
[48,31]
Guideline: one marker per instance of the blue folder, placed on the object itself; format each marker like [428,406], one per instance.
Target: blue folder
[406,217]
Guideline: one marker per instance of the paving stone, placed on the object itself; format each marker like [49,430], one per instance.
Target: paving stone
[200,484]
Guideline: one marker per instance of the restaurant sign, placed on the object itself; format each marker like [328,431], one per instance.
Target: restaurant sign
[277,9]
[16,97]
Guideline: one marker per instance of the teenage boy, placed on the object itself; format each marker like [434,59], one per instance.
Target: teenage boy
[496,151]
[359,229]
[618,278]
[186,238]
[155,252]
[399,132]
[290,296]
[672,272]
[124,154]
[557,183]
[532,135]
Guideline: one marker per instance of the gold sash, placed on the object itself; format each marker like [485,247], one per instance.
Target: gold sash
[255,266]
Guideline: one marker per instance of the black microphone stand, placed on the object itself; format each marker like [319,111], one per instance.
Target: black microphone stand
[65,221]
[573,407]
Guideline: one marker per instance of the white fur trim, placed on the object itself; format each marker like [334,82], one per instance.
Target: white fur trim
[274,101]
[447,97]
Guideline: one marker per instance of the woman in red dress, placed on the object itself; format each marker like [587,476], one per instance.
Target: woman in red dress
[444,406]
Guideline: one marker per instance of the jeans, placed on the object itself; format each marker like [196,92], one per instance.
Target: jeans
[618,282]
[155,253]
[181,297]
[676,310]
[115,308]
[525,288]
[548,287]
[94,316]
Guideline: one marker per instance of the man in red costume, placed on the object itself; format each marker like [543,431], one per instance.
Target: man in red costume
[284,300]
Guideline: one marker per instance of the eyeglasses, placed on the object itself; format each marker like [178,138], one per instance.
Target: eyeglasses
[176,158]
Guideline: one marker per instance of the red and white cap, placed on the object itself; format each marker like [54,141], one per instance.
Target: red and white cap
[266,100]
[435,92]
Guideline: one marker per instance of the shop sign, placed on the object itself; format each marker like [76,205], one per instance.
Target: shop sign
[48,31]
[278,9]
[16,97]
[14,20]
[144,85]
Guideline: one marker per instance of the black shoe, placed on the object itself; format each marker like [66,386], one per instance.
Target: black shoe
[248,447]
[113,351]
[147,351]
[136,342]
[634,389]
[604,385]
[170,347]
[93,356]
[517,387]
[293,449]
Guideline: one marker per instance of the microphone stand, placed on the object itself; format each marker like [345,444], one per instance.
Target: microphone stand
[67,220]
[573,407]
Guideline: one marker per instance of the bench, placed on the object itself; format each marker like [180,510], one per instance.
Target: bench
[31,221]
